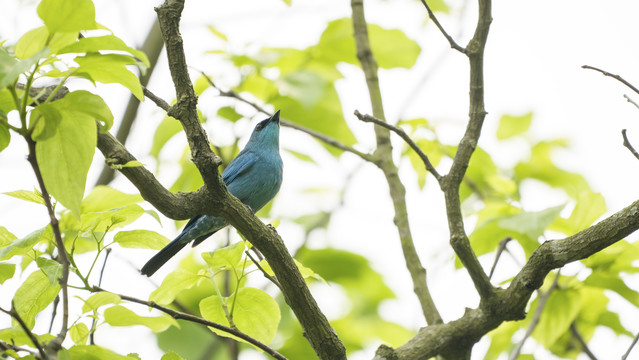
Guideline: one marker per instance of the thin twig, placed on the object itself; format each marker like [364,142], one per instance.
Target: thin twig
[631,101]
[405,137]
[502,247]
[106,257]
[614,76]
[627,144]
[156,99]
[192,318]
[54,312]
[541,303]
[6,346]
[582,342]
[634,342]
[14,314]
[450,39]
[326,139]
[266,275]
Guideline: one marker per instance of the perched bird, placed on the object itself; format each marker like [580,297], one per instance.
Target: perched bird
[254,177]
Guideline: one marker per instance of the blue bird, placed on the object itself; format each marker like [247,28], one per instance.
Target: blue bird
[254,177]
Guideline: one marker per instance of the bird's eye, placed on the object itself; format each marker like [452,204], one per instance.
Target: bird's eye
[261,125]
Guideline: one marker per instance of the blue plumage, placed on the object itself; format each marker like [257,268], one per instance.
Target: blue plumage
[254,177]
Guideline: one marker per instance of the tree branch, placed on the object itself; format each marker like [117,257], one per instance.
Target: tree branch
[634,342]
[383,159]
[450,183]
[405,137]
[14,314]
[510,304]
[502,247]
[450,39]
[614,76]
[192,318]
[582,342]
[627,144]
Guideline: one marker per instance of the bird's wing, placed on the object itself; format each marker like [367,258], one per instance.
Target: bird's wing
[240,164]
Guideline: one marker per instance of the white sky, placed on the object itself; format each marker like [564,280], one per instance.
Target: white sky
[533,61]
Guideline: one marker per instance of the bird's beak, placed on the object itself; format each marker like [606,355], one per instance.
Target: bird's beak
[275,117]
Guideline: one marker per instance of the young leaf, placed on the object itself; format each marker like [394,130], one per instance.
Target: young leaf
[510,126]
[6,237]
[6,272]
[560,311]
[44,120]
[171,356]
[120,316]
[172,285]
[34,41]
[98,43]
[100,299]
[19,338]
[306,272]
[86,103]
[141,239]
[103,198]
[227,258]
[26,195]
[109,69]
[21,246]
[255,313]
[33,296]
[95,352]
[5,136]
[79,333]
[52,269]
[67,15]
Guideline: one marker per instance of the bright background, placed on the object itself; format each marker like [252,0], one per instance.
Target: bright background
[533,63]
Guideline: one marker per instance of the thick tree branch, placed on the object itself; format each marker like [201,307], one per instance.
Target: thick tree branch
[383,159]
[192,318]
[450,183]
[510,304]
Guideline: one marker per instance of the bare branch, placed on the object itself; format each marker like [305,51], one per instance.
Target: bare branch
[541,304]
[582,342]
[634,342]
[157,100]
[614,76]
[192,318]
[450,39]
[627,144]
[405,137]
[631,101]
[384,160]
[502,247]
[266,275]
[14,314]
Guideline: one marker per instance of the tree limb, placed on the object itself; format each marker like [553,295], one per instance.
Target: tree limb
[510,303]
[384,160]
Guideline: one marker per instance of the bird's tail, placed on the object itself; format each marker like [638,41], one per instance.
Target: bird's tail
[163,256]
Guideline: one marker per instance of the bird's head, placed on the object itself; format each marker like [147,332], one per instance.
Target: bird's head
[266,132]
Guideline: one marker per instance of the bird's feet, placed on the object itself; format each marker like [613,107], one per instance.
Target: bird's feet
[272,228]
[250,209]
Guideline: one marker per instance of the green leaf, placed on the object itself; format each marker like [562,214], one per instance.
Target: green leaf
[67,15]
[24,245]
[531,224]
[6,272]
[86,103]
[172,285]
[255,313]
[615,283]
[19,338]
[51,268]
[510,126]
[6,103]
[26,195]
[79,333]
[33,296]
[44,120]
[100,299]
[11,68]
[226,258]
[217,33]
[163,133]
[65,157]
[560,311]
[34,41]
[229,113]
[100,43]
[109,69]
[141,239]
[311,222]
[590,206]
[6,237]
[620,256]
[5,136]
[95,352]
[120,316]
[391,48]
[101,221]
[304,271]
[171,356]
[103,198]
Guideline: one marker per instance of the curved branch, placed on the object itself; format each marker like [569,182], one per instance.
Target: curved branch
[192,318]
[510,304]
[14,314]
[450,39]
[628,145]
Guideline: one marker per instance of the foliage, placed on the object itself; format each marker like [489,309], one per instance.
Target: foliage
[226,285]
